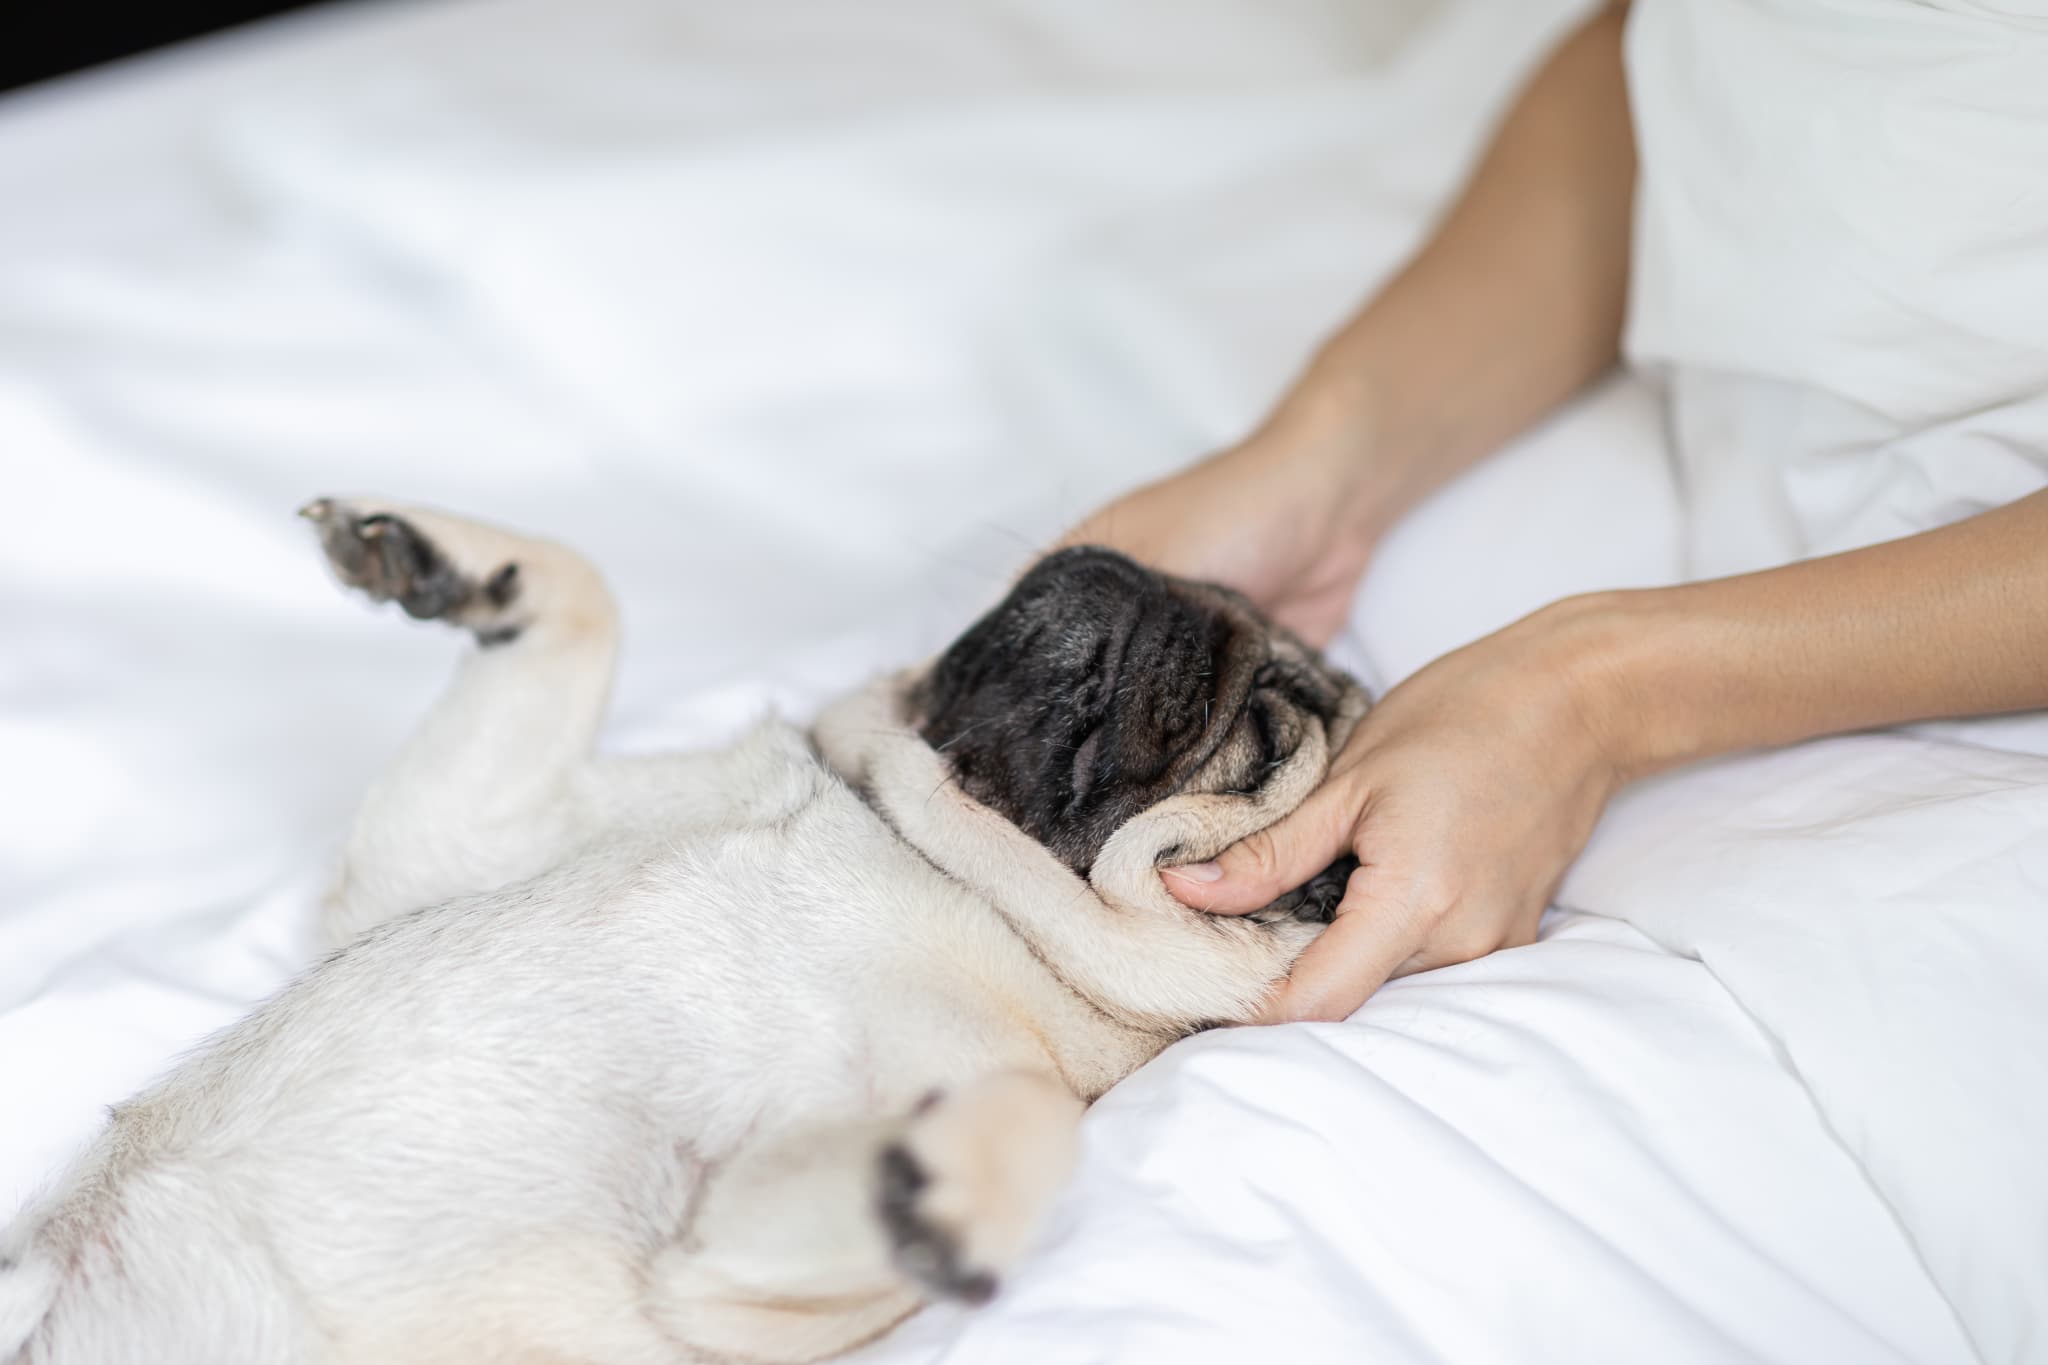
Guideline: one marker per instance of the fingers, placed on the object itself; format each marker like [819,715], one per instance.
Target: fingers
[1372,940]
[1258,869]
[1365,944]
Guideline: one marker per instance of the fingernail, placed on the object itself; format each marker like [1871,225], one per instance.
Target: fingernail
[1197,872]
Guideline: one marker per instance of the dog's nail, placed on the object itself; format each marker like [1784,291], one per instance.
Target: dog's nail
[1198,872]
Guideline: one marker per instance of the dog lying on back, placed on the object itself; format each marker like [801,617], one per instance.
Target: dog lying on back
[737,1055]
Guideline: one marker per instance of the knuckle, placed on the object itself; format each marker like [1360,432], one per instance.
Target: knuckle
[1261,853]
[1252,864]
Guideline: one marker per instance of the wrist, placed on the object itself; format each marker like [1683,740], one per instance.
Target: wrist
[1329,438]
[1645,676]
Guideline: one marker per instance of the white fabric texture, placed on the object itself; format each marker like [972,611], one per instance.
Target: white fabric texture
[807,321]
[1842,263]
[1842,271]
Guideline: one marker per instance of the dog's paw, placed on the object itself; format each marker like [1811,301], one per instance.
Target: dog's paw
[438,568]
[961,1190]
[927,1251]
[1317,900]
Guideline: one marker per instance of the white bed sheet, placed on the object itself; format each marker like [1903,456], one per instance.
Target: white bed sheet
[808,321]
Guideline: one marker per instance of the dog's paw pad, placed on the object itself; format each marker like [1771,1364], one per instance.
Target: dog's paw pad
[925,1249]
[962,1187]
[391,557]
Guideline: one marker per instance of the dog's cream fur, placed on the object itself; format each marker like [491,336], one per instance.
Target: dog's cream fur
[734,1055]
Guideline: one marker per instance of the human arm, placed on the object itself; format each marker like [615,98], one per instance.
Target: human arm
[1467,793]
[1513,304]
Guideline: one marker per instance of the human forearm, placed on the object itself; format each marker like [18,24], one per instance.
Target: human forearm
[1514,303]
[1470,788]
[1951,622]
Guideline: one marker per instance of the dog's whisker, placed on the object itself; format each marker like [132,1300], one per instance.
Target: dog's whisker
[941,748]
[1012,532]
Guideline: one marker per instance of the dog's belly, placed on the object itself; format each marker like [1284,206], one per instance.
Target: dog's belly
[566,1061]
[575,1051]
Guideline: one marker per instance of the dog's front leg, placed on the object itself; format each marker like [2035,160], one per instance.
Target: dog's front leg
[806,1246]
[480,795]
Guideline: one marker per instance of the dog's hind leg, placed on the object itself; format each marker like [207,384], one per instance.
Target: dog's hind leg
[480,795]
[784,1258]
[809,1245]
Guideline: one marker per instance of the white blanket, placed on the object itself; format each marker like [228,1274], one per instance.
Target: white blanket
[807,322]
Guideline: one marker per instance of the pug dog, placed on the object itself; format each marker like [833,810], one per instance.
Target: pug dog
[726,1056]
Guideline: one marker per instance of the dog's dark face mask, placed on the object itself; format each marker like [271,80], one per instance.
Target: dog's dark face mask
[1099,688]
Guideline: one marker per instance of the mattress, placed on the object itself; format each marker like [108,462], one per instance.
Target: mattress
[809,322]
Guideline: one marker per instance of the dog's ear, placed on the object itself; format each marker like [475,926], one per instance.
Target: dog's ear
[1196,826]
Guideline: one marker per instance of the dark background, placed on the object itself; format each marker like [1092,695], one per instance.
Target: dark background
[43,38]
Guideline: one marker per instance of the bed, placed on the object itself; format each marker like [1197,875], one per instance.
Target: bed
[808,321]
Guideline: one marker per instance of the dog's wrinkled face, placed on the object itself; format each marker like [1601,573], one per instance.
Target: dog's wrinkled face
[1099,688]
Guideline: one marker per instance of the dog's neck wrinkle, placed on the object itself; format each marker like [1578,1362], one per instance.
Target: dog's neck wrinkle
[1091,1045]
[864,789]
[1116,940]
[865,741]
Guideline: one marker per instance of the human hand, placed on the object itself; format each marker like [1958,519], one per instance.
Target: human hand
[1289,519]
[1464,795]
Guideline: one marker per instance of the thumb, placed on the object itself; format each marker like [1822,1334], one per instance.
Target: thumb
[1260,868]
